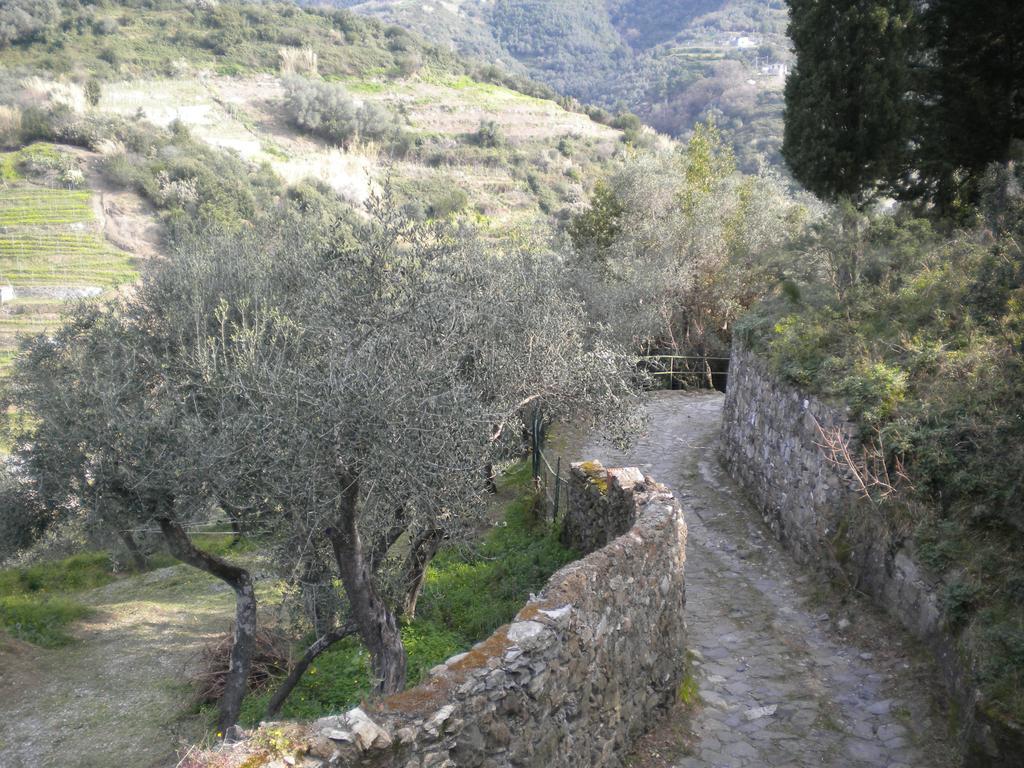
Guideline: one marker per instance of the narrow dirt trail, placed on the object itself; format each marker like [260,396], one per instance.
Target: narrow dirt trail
[788,675]
[120,695]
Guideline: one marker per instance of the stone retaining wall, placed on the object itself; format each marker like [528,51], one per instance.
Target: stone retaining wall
[598,511]
[582,670]
[771,445]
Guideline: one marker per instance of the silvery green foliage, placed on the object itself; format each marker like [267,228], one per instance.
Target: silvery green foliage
[696,243]
[22,20]
[404,363]
[327,110]
[275,369]
[21,518]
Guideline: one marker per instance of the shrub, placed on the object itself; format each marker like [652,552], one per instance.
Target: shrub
[408,63]
[93,91]
[874,390]
[445,202]
[488,135]
[10,126]
[326,110]
[374,121]
[25,20]
[799,347]
[627,121]
[323,109]
[957,602]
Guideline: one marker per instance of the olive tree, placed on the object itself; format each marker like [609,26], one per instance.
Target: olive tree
[116,433]
[676,245]
[345,391]
[384,386]
[130,425]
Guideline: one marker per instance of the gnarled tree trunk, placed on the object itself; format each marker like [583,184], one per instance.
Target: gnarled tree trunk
[375,621]
[422,551]
[322,643]
[244,639]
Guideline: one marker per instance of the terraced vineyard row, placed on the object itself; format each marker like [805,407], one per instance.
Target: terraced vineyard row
[73,259]
[49,240]
[39,207]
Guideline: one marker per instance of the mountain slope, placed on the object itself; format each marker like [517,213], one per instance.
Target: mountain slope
[450,140]
[673,62]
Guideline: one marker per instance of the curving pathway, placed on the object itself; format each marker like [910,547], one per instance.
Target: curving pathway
[789,675]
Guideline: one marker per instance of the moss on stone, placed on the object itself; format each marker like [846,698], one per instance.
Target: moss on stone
[596,474]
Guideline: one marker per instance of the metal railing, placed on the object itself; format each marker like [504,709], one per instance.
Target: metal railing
[682,373]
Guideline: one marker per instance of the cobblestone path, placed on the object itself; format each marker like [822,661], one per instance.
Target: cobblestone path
[788,674]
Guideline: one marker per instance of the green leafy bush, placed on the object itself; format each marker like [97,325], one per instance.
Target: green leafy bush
[488,135]
[323,109]
[799,346]
[874,390]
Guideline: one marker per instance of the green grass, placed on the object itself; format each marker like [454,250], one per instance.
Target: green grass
[9,167]
[84,571]
[37,603]
[473,593]
[468,594]
[43,621]
[34,605]
[41,250]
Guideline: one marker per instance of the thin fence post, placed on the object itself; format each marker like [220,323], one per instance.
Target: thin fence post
[536,447]
[558,485]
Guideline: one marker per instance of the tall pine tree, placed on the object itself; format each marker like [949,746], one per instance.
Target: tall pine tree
[973,87]
[847,112]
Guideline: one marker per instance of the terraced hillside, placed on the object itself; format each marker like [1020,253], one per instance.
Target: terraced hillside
[51,249]
[673,62]
[539,159]
[468,142]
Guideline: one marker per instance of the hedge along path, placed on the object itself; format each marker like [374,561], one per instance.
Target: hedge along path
[787,674]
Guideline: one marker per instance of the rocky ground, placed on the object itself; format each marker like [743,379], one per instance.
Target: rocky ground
[789,672]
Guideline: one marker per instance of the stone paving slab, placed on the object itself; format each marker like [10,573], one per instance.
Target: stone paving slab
[785,681]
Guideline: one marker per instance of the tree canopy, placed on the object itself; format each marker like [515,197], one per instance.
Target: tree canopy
[346,389]
[906,99]
[846,110]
